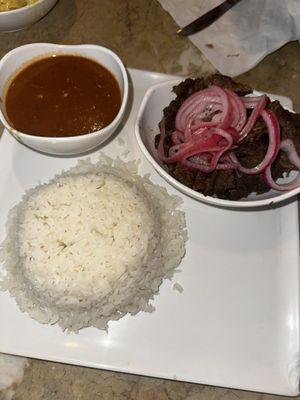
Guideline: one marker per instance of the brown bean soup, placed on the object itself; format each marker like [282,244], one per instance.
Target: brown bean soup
[62,95]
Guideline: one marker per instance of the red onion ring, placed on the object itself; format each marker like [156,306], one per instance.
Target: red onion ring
[192,108]
[259,106]
[289,148]
[238,109]
[274,142]
[204,167]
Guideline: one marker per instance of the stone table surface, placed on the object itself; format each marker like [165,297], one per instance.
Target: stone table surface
[143,34]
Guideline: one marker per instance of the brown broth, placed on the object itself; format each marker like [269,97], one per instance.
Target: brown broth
[61,96]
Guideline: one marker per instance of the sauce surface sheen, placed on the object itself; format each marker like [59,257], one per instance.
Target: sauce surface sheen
[62,95]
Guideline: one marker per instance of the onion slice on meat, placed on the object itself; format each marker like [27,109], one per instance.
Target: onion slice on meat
[211,124]
[289,148]
[274,142]
[258,108]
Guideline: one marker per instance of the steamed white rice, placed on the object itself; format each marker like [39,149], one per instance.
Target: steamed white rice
[91,245]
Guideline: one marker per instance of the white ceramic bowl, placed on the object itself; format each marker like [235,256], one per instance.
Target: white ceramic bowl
[21,17]
[15,59]
[146,128]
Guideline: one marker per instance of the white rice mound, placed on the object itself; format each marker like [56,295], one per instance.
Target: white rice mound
[92,245]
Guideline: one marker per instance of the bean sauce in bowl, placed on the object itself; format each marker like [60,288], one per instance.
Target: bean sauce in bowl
[62,99]
[79,88]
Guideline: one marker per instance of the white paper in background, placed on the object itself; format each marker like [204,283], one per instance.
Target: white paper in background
[248,32]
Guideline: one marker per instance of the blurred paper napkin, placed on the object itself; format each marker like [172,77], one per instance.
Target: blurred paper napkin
[243,36]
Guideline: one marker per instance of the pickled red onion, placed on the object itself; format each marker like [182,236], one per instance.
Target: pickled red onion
[258,108]
[274,142]
[211,123]
[289,148]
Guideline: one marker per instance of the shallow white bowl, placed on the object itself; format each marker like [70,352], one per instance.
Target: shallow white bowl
[146,128]
[21,17]
[15,59]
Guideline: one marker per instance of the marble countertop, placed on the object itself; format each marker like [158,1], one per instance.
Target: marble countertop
[143,34]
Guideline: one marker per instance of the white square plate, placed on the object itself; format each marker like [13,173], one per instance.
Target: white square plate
[237,322]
